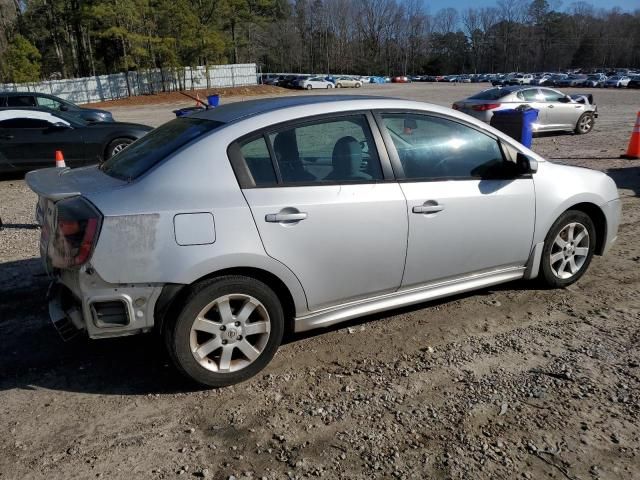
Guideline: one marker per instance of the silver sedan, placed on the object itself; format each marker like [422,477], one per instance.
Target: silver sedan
[225,229]
[557,111]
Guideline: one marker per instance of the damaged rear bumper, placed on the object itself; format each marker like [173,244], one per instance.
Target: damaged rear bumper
[83,302]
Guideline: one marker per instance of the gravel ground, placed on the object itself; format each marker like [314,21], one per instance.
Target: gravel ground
[511,382]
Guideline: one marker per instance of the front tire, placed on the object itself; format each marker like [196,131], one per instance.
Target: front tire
[309,87]
[228,331]
[568,249]
[116,146]
[585,123]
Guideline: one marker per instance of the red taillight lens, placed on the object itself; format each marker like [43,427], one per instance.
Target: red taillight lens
[484,107]
[78,223]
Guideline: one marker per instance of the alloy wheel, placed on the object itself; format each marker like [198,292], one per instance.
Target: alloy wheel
[118,148]
[586,123]
[569,251]
[230,333]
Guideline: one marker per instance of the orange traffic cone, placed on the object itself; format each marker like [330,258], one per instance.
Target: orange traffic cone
[60,159]
[634,144]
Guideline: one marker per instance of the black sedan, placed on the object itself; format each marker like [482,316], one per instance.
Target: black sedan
[43,100]
[30,137]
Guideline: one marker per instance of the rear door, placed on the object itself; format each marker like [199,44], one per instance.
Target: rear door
[326,206]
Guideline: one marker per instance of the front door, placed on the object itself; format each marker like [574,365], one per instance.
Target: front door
[30,139]
[467,214]
[324,209]
[559,113]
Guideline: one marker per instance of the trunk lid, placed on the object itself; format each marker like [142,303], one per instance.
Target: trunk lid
[58,183]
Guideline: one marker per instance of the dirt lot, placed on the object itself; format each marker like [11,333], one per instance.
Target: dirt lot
[512,382]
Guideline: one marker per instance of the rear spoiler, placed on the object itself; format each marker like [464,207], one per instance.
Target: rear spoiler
[50,183]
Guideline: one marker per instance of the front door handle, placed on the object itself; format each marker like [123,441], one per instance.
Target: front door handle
[6,137]
[550,106]
[284,217]
[428,207]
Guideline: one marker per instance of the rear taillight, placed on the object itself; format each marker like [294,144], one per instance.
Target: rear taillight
[77,227]
[483,107]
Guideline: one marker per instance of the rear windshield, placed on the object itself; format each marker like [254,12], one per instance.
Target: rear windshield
[156,146]
[491,94]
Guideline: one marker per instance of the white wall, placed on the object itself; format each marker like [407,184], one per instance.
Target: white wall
[113,87]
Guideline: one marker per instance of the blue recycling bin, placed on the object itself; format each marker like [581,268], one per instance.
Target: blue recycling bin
[213,100]
[517,123]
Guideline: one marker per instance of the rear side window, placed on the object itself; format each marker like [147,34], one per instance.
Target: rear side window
[155,146]
[325,151]
[21,101]
[491,94]
[20,123]
[256,155]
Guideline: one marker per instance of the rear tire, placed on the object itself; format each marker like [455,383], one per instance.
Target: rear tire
[309,87]
[116,146]
[568,249]
[585,123]
[228,330]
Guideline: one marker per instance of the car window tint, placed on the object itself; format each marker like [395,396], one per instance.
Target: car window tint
[21,101]
[24,123]
[48,103]
[155,146]
[340,150]
[432,148]
[258,160]
[551,96]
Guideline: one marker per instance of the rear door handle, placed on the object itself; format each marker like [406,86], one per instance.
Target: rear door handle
[284,217]
[6,137]
[428,207]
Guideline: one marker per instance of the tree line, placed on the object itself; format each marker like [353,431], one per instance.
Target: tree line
[43,39]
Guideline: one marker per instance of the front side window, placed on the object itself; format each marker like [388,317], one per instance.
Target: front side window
[49,103]
[431,148]
[338,150]
[551,96]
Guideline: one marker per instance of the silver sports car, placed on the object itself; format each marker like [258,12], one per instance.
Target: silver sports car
[557,111]
[224,229]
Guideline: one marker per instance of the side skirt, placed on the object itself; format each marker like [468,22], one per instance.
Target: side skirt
[341,313]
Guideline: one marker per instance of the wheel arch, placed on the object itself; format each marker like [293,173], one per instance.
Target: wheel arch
[173,295]
[599,221]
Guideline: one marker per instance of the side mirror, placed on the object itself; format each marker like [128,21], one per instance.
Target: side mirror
[526,164]
[63,108]
[564,99]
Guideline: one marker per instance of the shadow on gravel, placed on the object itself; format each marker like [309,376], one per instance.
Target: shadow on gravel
[628,178]
[32,356]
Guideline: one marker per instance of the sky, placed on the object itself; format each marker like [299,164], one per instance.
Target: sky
[435,5]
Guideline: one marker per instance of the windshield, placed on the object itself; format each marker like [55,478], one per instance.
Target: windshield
[157,145]
[491,94]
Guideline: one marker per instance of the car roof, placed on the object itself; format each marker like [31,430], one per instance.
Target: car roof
[231,112]
[18,94]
